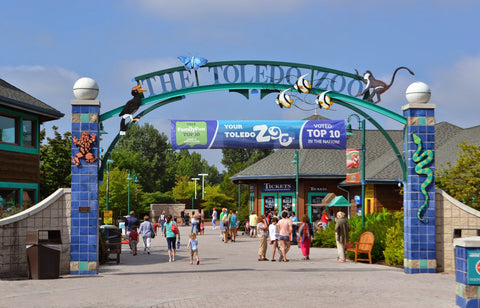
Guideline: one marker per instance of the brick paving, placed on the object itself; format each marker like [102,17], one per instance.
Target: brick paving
[230,275]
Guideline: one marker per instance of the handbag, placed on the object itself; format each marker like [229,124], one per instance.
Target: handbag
[174,229]
[153,231]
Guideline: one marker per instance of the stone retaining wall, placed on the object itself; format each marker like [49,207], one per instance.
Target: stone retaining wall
[52,213]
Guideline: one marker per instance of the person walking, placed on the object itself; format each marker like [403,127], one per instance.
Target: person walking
[305,232]
[225,223]
[133,240]
[162,221]
[284,230]
[252,219]
[147,232]
[342,229]
[194,222]
[193,246]
[233,226]
[273,232]
[171,236]
[214,219]
[131,222]
[262,233]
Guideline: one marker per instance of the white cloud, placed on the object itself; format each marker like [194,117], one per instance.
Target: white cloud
[206,8]
[455,92]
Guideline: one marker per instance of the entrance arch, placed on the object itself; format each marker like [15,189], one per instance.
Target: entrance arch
[265,77]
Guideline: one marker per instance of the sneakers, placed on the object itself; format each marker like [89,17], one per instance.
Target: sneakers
[170,260]
[341,261]
[198,262]
[191,263]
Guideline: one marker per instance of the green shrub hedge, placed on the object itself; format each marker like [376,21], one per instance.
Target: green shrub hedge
[386,226]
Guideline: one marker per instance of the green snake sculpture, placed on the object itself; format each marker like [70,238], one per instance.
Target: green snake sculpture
[422,160]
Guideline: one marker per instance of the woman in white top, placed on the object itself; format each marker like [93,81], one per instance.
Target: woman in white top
[194,222]
[273,231]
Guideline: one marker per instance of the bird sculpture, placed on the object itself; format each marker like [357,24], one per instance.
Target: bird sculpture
[131,107]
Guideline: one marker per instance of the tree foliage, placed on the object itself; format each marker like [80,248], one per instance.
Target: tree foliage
[55,162]
[462,181]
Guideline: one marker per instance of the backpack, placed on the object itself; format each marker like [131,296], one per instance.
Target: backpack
[225,220]
[305,230]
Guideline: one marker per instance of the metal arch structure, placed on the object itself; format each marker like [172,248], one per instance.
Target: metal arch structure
[170,85]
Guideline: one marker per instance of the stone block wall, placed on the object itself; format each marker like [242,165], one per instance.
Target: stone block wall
[52,213]
[452,215]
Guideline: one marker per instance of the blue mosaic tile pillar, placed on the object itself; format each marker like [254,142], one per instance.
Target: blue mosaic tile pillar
[467,271]
[419,227]
[84,204]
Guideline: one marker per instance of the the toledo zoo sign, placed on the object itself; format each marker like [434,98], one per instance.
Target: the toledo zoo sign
[222,134]
[248,73]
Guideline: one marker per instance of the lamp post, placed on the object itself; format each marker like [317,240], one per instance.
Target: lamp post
[203,175]
[361,125]
[135,180]
[109,161]
[295,160]
[193,201]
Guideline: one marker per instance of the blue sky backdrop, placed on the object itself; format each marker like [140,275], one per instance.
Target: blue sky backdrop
[48,45]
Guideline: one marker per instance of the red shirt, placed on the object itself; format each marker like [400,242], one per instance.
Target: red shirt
[134,236]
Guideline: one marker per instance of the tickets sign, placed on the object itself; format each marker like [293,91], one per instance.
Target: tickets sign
[225,134]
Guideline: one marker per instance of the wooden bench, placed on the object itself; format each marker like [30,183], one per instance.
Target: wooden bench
[364,245]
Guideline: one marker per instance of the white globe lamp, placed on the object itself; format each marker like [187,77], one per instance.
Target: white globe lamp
[85,88]
[418,93]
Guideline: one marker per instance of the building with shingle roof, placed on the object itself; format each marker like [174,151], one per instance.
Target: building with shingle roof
[323,172]
[20,117]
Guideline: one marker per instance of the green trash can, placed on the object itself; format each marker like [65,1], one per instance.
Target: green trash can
[43,253]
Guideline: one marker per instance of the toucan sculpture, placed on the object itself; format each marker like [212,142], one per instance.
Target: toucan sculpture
[131,107]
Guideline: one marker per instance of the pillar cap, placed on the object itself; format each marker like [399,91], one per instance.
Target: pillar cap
[85,88]
[469,242]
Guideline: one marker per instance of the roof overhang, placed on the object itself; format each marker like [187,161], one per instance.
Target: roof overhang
[43,113]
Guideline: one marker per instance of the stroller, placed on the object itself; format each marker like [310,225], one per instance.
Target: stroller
[246,230]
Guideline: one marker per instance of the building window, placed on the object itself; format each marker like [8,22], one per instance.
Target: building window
[8,129]
[28,132]
[8,198]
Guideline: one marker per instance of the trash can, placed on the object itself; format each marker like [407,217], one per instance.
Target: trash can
[43,253]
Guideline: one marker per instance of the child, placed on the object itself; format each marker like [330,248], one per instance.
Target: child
[133,240]
[193,246]
[273,231]
[202,227]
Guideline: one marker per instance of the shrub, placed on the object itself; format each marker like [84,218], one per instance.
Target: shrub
[394,243]
[325,238]
[384,225]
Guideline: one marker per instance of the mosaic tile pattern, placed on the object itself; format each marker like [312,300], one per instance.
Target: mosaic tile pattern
[84,203]
[419,237]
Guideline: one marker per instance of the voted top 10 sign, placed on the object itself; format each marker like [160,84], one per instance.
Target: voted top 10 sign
[223,134]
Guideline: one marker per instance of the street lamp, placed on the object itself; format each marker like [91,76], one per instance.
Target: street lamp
[193,201]
[203,175]
[195,179]
[295,160]
[361,125]
[135,180]
[109,161]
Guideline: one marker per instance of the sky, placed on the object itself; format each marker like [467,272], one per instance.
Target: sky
[47,46]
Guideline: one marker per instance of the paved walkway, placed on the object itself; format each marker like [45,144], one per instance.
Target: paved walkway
[230,275]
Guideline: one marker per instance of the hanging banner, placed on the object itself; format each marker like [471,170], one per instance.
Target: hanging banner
[225,134]
[353,166]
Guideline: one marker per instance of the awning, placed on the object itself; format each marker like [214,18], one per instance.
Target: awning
[339,201]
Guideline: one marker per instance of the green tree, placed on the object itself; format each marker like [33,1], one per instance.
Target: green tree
[184,188]
[143,150]
[462,181]
[215,199]
[118,193]
[55,162]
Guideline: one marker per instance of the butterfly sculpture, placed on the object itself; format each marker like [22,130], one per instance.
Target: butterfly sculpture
[192,62]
